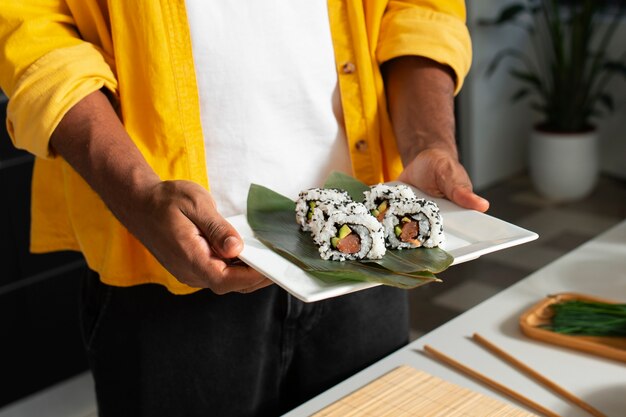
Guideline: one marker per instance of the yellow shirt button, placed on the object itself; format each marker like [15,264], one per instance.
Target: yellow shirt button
[348,68]
[361,146]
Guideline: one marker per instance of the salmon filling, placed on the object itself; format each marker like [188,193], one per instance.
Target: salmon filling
[349,244]
[381,215]
[380,210]
[408,231]
[346,241]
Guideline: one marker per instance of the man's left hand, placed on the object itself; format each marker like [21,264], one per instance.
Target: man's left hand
[439,173]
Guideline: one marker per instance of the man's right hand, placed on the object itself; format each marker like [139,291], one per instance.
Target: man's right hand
[177,221]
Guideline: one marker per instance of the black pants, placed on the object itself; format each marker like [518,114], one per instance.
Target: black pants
[157,354]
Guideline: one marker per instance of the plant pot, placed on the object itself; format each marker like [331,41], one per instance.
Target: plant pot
[564,166]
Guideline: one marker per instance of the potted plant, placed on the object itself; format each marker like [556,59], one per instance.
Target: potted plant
[565,76]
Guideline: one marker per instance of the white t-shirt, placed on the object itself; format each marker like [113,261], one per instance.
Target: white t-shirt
[269,98]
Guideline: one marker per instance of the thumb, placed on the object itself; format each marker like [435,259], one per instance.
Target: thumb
[465,197]
[221,235]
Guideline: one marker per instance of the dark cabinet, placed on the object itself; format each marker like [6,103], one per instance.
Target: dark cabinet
[41,342]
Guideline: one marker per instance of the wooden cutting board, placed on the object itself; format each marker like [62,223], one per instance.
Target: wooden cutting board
[405,391]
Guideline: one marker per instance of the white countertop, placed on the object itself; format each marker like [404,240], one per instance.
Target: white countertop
[595,268]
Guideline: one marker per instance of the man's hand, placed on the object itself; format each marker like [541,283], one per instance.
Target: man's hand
[420,93]
[176,220]
[179,223]
[440,174]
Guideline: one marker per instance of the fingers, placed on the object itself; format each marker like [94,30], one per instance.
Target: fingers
[440,174]
[262,284]
[202,268]
[185,232]
[457,187]
[243,279]
[218,245]
[464,197]
[221,235]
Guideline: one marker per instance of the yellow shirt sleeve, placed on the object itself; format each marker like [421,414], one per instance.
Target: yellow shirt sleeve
[45,68]
[434,29]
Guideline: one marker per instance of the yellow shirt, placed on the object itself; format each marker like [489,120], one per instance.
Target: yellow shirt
[55,52]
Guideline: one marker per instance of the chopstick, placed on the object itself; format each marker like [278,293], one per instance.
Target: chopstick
[488,381]
[536,375]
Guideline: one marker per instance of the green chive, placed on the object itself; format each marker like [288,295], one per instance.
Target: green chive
[588,318]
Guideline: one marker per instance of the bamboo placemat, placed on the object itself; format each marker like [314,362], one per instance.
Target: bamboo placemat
[405,391]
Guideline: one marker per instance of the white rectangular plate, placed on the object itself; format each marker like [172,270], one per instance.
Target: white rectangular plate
[469,234]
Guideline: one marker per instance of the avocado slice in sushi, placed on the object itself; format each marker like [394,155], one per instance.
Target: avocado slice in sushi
[379,211]
[309,214]
[343,232]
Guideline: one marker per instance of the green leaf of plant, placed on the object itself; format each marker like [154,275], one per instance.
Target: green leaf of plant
[509,53]
[381,276]
[264,202]
[345,182]
[616,67]
[539,107]
[570,47]
[434,260]
[520,94]
[529,78]
[607,101]
[272,218]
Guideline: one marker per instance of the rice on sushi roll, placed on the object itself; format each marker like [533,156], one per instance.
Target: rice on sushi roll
[348,232]
[322,211]
[310,199]
[411,223]
[378,197]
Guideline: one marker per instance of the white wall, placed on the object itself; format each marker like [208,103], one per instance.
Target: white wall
[613,127]
[494,132]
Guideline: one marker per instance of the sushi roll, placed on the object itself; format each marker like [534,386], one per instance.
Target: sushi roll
[378,197]
[411,223]
[349,232]
[309,200]
[322,211]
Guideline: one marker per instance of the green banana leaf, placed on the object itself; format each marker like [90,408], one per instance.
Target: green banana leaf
[272,218]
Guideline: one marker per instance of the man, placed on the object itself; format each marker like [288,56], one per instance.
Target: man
[133,108]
